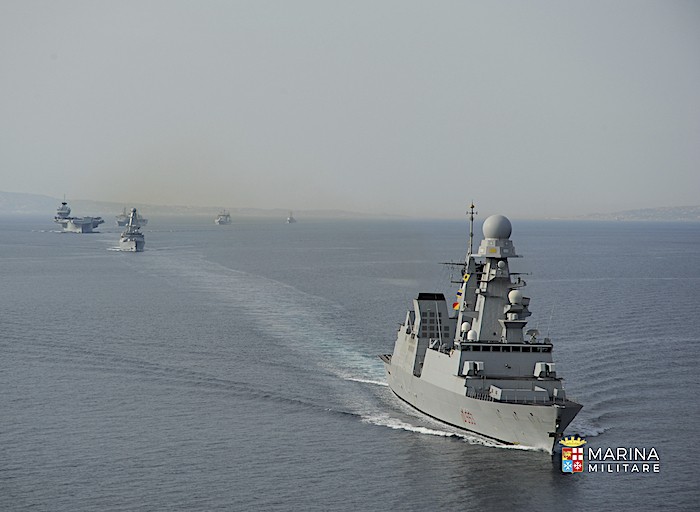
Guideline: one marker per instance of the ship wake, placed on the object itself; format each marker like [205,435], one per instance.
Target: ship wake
[385,420]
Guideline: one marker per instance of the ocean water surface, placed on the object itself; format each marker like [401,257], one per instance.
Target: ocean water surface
[235,367]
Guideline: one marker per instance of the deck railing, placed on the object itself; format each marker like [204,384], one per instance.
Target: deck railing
[546,400]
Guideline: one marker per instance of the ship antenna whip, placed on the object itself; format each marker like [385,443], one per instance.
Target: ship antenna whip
[463,287]
[551,314]
[471,212]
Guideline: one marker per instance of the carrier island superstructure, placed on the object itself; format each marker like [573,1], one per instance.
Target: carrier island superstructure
[471,365]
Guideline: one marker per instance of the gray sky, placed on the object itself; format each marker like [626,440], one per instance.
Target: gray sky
[538,108]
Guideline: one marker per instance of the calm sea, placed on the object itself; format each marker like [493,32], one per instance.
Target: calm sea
[234,367]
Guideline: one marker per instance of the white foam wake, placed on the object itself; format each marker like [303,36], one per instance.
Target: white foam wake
[308,324]
[367,381]
[396,424]
[475,439]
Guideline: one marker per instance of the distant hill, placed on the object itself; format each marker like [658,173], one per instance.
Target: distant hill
[34,204]
[11,202]
[670,213]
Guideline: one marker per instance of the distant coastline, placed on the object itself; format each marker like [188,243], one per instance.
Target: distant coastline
[14,203]
[661,214]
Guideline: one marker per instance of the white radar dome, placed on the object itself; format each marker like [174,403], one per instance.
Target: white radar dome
[515,297]
[497,226]
[471,335]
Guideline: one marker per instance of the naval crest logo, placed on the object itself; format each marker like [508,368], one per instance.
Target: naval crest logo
[572,457]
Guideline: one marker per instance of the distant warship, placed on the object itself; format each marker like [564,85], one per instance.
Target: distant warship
[123,219]
[291,219]
[470,365]
[132,240]
[75,224]
[223,218]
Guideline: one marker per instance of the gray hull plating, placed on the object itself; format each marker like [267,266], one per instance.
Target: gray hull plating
[533,426]
[79,225]
[132,245]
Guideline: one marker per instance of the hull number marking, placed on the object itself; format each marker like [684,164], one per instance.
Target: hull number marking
[467,417]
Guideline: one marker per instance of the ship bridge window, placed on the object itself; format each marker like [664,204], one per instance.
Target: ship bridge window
[527,349]
[506,349]
[516,349]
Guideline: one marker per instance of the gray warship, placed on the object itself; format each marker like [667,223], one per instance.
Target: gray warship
[75,224]
[123,219]
[470,365]
[223,218]
[132,240]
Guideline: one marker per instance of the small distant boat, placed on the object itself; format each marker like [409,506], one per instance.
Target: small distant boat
[132,240]
[123,219]
[223,218]
[75,224]
[291,219]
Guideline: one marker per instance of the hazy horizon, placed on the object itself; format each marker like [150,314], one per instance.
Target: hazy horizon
[397,107]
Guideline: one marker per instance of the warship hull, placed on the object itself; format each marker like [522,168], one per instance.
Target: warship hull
[79,225]
[537,426]
[131,245]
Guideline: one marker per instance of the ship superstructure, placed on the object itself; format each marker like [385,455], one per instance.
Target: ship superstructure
[471,365]
[132,240]
[123,218]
